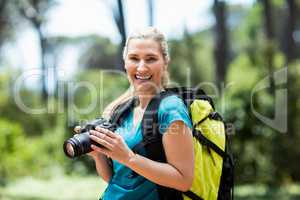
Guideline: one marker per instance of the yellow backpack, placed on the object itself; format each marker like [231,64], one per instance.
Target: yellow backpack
[213,171]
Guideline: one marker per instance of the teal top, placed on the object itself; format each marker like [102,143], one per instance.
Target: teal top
[124,184]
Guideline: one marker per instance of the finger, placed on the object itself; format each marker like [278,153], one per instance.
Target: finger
[106,132]
[77,129]
[100,150]
[102,136]
[101,141]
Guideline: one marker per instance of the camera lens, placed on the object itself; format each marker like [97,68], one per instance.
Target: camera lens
[77,145]
[80,143]
[70,150]
[71,147]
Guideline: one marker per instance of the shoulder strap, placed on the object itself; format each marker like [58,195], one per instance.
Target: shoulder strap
[192,195]
[203,140]
[152,139]
[150,118]
[122,110]
[118,114]
[150,126]
[189,94]
[152,142]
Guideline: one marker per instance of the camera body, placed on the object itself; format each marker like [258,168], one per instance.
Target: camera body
[80,143]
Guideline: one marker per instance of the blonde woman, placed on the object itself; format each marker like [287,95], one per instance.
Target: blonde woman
[146,60]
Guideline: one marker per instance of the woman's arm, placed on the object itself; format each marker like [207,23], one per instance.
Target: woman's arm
[103,168]
[178,172]
[178,145]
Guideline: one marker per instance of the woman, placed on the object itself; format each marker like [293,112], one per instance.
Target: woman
[146,60]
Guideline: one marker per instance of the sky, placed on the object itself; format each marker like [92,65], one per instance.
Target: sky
[77,18]
[74,18]
[96,16]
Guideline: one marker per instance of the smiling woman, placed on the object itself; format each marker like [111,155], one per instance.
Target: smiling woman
[134,176]
[142,54]
[145,65]
[146,57]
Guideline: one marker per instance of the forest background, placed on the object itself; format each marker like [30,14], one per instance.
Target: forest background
[247,59]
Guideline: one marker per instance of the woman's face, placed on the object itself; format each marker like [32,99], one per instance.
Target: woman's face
[145,65]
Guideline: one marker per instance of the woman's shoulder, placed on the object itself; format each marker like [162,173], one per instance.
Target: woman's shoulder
[172,102]
[171,109]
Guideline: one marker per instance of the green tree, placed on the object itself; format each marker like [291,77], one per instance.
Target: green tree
[221,50]
[35,12]
[99,53]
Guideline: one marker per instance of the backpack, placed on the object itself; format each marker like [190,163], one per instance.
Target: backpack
[214,167]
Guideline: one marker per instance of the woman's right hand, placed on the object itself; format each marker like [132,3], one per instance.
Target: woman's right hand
[102,166]
[93,153]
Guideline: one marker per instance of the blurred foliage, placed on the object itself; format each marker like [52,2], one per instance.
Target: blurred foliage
[100,53]
[12,143]
[48,190]
[99,88]
[182,66]
[31,144]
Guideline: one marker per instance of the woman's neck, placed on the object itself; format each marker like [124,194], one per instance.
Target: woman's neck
[144,100]
[144,97]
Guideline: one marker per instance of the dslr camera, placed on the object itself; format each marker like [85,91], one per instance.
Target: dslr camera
[80,143]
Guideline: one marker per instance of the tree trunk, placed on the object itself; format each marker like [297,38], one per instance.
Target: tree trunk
[195,76]
[290,44]
[270,48]
[120,22]
[3,20]
[35,17]
[43,47]
[221,45]
[150,11]
[290,57]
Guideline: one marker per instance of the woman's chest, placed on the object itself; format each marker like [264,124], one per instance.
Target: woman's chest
[131,130]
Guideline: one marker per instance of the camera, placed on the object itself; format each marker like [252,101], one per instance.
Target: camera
[80,143]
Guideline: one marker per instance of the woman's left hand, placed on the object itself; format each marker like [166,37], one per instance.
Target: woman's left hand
[113,144]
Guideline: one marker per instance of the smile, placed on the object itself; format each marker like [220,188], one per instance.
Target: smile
[143,77]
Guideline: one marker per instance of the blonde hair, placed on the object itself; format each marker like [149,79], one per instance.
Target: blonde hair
[147,33]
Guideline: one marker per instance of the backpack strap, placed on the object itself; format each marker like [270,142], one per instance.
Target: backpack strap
[189,94]
[150,119]
[226,188]
[203,140]
[152,142]
[192,195]
[152,139]
[122,110]
[118,114]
